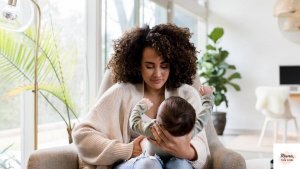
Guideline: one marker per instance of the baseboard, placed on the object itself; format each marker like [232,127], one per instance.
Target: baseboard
[241,131]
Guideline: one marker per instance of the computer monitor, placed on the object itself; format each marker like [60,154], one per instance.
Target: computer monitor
[289,75]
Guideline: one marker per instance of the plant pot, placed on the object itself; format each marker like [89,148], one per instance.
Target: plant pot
[219,121]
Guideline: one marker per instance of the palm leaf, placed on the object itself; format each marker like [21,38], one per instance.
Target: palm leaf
[11,52]
[50,52]
[52,89]
[6,158]
[5,149]
[17,64]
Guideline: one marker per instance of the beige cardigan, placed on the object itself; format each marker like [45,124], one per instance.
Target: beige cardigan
[102,138]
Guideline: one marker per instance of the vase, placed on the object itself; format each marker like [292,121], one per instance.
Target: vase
[219,121]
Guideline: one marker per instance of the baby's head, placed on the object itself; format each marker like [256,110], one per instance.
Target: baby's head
[176,115]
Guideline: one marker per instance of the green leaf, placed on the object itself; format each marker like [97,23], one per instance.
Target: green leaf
[51,89]
[223,55]
[210,47]
[224,65]
[216,34]
[235,75]
[235,86]
[232,67]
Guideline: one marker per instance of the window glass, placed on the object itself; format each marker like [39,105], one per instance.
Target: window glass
[64,28]
[184,18]
[152,14]
[65,21]
[118,16]
[9,126]
[10,108]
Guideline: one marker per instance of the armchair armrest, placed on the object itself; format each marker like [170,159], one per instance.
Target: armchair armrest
[64,157]
[221,157]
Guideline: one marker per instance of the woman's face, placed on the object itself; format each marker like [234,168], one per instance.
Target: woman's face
[155,71]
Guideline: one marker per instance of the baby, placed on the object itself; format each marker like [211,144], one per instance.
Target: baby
[175,114]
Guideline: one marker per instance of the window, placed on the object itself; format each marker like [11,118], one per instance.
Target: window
[83,32]
[10,122]
[185,18]
[65,22]
[152,13]
[120,15]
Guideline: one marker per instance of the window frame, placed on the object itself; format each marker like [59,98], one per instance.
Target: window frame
[93,80]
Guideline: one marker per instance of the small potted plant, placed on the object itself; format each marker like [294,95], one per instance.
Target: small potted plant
[215,71]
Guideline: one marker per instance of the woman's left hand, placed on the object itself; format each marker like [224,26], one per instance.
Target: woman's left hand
[178,146]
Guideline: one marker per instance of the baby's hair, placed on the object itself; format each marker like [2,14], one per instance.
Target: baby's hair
[177,116]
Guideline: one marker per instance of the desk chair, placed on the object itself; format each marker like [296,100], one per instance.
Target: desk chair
[274,104]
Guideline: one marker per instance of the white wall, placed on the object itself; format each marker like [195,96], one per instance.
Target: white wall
[257,48]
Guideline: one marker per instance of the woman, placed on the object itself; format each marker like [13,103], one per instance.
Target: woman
[148,63]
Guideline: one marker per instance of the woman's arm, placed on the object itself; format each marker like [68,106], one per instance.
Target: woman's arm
[177,146]
[138,146]
[101,138]
[196,150]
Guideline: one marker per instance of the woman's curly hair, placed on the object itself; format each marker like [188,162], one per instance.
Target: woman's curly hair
[171,42]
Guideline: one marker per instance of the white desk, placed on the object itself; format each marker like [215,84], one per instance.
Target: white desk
[259,163]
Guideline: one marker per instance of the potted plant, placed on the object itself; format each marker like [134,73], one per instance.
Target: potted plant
[215,71]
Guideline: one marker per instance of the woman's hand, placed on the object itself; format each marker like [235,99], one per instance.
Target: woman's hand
[137,149]
[178,146]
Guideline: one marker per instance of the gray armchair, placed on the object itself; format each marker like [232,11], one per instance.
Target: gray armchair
[66,157]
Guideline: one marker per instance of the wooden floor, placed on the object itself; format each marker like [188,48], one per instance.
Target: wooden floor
[227,139]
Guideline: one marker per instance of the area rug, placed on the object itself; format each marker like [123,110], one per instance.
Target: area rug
[250,143]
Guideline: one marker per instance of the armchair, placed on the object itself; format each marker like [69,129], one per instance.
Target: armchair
[66,157]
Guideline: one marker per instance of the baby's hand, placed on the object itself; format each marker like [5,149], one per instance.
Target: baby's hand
[147,102]
[204,90]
